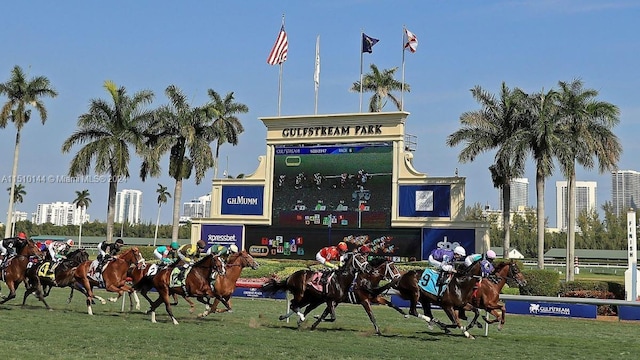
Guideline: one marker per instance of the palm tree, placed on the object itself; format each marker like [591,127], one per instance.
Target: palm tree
[543,138]
[586,125]
[163,196]
[381,84]
[18,198]
[495,126]
[106,131]
[21,94]
[82,201]
[186,133]
[226,122]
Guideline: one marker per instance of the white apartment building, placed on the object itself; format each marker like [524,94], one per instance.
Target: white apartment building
[585,200]
[197,208]
[60,214]
[128,206]
[519,195]
[625,190]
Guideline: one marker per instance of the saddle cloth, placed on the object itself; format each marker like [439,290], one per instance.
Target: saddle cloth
[428,282]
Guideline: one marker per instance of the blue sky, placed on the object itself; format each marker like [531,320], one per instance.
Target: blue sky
[223,45]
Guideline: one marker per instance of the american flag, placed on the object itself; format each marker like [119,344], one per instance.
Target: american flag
[278,54]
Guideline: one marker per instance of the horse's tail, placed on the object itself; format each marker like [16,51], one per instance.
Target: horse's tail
[273,286]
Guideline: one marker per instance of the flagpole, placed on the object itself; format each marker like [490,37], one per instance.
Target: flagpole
[402,88]
[316,74]
[361,59]
[280,78]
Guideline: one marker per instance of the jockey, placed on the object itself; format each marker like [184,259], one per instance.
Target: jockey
[443,259]
[188,253]
[162,252]
[11,245]
[59,249]
[487,263]
[329,253]
[222,251]
[107,250]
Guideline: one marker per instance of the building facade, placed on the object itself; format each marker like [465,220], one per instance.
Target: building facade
[60,214]
[128,206]
[586,200]
[625,190]
[519,195]
[197,208]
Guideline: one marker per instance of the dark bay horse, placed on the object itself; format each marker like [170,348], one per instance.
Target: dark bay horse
[15,271]
[305,293]
[114,278]
[457,294]
[142,280]
[225,285]
[197,283]
[487,296]
[40,282]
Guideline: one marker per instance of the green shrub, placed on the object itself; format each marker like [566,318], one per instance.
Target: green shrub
[541,283]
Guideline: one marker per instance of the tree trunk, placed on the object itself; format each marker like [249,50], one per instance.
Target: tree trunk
[111,207]
[80,230]
[506,219]
[215,160]
[155,236]
[540,216]
[177,195]
[14,174]
[571,224]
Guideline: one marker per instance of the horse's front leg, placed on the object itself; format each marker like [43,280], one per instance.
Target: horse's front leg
[451,313]
[134,296]
[367,307]
[327,310]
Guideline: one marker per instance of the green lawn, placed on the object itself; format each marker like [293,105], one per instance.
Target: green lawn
[253,331]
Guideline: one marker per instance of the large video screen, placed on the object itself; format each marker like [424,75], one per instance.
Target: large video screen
[344,186]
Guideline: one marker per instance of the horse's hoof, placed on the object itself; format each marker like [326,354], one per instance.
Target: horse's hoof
[407,316]
[281,317]
[330,319]
[479,325]
[174,304]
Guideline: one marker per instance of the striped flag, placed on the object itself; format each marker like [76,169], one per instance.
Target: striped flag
[410,41]
[316,73]
[278,54]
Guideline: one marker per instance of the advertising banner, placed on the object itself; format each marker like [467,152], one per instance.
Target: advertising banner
[242,200]
[551,309]
[222,235]
[446,238]
[425,200]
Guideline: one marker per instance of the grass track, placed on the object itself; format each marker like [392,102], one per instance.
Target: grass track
[254,332]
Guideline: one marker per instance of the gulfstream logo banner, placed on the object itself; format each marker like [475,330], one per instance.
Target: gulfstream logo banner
[359,130]
[242,200]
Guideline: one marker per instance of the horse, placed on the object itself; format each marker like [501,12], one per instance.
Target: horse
[114,278]
[40,282]
[225,284]
[457,294]
[197,283]
[365,290]
[487,296]
[306,292]
[15,270]
[142,276]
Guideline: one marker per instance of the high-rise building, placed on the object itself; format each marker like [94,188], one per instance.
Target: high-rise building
[625,190]
[519,195]
[60,213]
[128,206]
[197,208]
[585,200]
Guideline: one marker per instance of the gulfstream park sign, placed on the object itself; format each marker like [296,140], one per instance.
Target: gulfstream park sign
[359,130]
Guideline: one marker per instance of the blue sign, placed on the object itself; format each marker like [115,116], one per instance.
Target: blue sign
[242,200]
[628,312]
[256,293]
[225,235]
[446,238]
[425,200]
[551,309]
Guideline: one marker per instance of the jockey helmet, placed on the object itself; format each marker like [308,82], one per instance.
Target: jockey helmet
[365,249]
[233,248]
[48,242]
[119,242]
[201,244]
[174,245]
[459,250]
[342,246]
[69,242]
[22,236]
[491,254]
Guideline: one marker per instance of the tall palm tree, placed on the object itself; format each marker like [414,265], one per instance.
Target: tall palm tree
[226,122]
[186,133]
[381,84]
[22,93]
[107,130]
[18,198]
[495,126]
[82,201]
[542,137]
[163,196]
[587,125]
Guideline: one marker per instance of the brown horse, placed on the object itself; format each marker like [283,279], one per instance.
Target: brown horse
[114,278]
[142,281]
[15,270]
[305,293]
[225,285]
[457,294]
[40,282]
[487,296]
[197,283]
